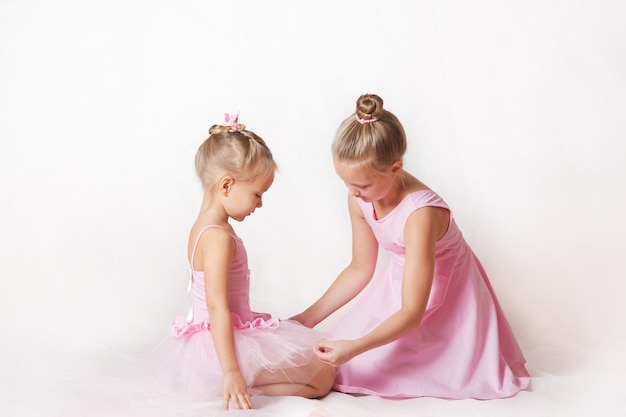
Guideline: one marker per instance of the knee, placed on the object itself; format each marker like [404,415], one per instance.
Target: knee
[325,380]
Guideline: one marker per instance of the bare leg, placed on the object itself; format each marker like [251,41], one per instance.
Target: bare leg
[313,380]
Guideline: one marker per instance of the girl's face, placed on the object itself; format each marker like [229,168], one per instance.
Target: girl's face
[367,184]
[243,197]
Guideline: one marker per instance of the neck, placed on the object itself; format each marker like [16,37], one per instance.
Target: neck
[404,184]
[212,211]
[393,197]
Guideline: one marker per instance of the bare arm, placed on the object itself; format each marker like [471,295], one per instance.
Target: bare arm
[353,278]
[424,227]
[217,250]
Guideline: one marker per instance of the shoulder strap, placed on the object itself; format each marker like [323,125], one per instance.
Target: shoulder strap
[195,245]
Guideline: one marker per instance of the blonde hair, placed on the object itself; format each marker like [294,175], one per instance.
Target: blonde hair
[372,136]
[233,151]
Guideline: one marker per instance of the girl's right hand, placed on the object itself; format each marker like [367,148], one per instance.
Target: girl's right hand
[236,390]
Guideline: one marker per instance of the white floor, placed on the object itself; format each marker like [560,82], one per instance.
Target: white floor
[595,387]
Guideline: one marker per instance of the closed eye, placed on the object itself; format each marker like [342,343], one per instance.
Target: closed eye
[360,187]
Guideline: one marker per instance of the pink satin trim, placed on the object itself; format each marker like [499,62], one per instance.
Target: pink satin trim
[181,327]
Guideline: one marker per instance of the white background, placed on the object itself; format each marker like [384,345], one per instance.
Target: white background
[514,111]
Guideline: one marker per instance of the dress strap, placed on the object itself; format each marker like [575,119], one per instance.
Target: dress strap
[195,245]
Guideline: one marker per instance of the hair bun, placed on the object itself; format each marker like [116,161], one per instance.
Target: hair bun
[369,106]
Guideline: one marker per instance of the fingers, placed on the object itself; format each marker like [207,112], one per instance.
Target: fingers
[324,359]
[246,402]
[235,390]
[322,345]
[241,401]
[324,353]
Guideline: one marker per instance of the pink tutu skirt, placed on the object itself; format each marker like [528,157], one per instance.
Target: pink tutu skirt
[187,365]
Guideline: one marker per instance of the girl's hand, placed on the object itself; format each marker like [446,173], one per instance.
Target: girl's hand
[304,320]
[235,389]
[335,352]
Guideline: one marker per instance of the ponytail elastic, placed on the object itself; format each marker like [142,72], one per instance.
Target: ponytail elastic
[365,121]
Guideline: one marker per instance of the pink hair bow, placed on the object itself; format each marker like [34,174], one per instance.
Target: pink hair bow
[232,120]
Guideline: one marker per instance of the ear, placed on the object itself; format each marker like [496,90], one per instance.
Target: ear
[396,167]
[225,184]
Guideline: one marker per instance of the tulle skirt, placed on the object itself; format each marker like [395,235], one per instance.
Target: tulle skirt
[186,364]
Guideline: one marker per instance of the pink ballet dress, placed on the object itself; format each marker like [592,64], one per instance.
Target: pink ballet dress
[186,364]
[463,347]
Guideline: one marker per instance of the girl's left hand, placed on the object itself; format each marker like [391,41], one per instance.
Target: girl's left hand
[335,352]
[304,320]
